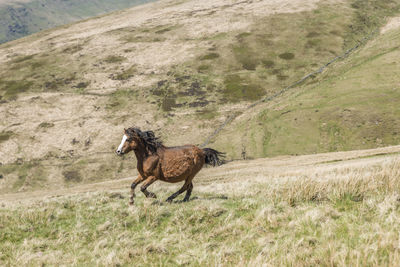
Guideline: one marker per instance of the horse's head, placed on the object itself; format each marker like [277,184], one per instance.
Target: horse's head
[129,142]
[134,139]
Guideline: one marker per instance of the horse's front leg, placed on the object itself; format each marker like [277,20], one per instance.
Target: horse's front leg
[147,183]
[133,186]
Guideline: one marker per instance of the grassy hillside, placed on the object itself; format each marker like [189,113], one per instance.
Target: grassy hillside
[22,18]
[181,68]
[352,105]
[283,211]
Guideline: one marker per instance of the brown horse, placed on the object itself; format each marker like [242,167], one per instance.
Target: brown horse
[169,164]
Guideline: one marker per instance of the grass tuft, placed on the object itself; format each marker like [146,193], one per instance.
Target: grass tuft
[4,136]
[238,88]
[72,176]
[287,56]
[126,74]
[46,125]
[114,59]
[209,56]
[11,89]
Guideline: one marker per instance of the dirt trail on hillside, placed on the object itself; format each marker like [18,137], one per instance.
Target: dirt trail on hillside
[235,171]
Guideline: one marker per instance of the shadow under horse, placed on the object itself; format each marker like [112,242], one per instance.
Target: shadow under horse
[169,164]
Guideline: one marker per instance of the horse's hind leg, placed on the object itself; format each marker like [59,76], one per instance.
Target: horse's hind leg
[188,192]
[180,191]
[147,183]
[133,186]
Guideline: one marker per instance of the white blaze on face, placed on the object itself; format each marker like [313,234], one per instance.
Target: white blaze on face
[119,150]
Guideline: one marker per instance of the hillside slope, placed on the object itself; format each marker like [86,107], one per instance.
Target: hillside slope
[328,209]
[352,105]
[24,17]
[181,68]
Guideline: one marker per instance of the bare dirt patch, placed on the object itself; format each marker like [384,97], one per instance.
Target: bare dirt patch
[393,23]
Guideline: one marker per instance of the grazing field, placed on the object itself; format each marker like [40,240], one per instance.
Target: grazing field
[329,209]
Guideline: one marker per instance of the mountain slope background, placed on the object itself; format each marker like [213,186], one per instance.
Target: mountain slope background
[22,18]
[352,105]
[181,68]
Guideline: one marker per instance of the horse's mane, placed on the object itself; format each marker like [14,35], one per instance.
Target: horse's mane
[150,141]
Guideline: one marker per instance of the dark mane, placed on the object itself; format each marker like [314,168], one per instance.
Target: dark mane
[150,141]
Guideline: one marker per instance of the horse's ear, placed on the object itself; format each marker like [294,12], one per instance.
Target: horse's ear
[124,130]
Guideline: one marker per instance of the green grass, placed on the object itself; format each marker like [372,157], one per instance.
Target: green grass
[207,114]
[72,176]
[11,89]
[164,30]
[22,176]
[301,221]
[72,49]
[126,74]
[246,57]
[266,55]
[238,88]
[45,71]
[369,15]
[183,88]
[209,56]
[142,38]
[23,58]
[121,99]
[114,59]
[203,67]
[4,136]
[287,56]
[352,106]
[46,125]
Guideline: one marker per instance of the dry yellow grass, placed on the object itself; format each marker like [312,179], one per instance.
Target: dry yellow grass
[335,209]
[242,171]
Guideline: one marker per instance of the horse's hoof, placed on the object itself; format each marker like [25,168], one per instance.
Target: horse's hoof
[131,202]
[151,195]
[169,200]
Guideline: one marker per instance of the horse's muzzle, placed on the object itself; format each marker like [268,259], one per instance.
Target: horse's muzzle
[119,152]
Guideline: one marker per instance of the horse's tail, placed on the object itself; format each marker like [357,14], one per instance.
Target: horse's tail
[213,157]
